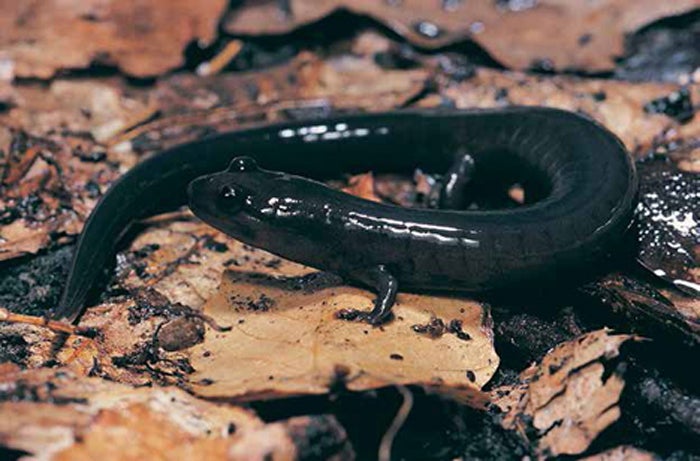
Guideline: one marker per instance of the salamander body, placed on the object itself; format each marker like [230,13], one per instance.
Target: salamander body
[579,181]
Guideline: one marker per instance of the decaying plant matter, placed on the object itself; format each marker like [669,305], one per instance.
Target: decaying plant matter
[192,325]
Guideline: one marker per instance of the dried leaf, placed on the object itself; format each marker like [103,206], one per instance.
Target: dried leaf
[183,262]
[52,406]
[78,106]
[287,339]
[17,239]
[52,414]
[143,38]
[517,34]
[565,396]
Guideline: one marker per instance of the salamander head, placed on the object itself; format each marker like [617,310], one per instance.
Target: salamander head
[259,207]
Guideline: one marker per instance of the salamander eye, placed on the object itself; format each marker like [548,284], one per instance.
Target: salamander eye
[230,198]
[243,164]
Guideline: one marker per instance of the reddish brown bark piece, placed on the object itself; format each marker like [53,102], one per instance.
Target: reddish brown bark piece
[589,35]
[141,37]
[306,86]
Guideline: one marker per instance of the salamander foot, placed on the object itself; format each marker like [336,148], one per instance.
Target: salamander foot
[386,286]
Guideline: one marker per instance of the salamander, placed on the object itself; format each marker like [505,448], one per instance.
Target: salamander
[261,186]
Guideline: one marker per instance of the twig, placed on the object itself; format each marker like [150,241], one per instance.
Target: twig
[396,424]
[220,61]
[105,133]
[53,325]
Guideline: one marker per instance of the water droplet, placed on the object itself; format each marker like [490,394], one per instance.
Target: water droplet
[428,29]
[451,5]
[476,27]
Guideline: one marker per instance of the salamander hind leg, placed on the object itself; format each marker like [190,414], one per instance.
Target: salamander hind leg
[386,287]
[451,192]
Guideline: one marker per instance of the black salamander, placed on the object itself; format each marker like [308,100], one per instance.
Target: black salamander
[580,193]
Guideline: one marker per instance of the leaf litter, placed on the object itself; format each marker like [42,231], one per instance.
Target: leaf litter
[179,275]
[518,34]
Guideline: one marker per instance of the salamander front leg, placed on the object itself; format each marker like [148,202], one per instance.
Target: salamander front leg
[386,286]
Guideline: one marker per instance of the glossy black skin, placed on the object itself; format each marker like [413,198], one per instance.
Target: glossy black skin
[579,173]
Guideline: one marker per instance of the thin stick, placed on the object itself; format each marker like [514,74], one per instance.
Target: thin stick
[220,61]
[53,325]
[396,424]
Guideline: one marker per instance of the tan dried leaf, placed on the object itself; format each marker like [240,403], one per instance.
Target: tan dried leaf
[286,340]
[592,37]
[565,396]
[17,239]
[188,267]
[143,38]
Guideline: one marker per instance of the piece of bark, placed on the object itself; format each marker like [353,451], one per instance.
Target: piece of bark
[677,405]
[306,87]
[668,316]
[362,185]
[517,34]
[564,401]
[142,38]
[619,106]
[52,414]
